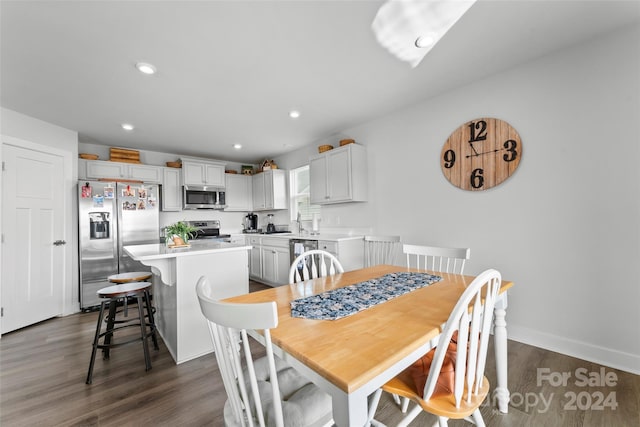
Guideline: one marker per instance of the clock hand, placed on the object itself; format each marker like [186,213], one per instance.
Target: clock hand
[484,152]
[474,150]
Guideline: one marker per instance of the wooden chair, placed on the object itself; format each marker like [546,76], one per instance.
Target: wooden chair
[266,391]
[380,249]
[471,318]
[444,260]
[312,264]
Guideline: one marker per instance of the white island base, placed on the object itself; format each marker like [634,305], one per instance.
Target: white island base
[175,274]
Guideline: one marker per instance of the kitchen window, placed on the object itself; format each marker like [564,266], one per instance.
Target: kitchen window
[300,198]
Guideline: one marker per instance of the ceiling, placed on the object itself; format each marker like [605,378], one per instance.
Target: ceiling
[230,71]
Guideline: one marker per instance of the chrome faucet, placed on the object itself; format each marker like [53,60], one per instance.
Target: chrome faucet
[299,221]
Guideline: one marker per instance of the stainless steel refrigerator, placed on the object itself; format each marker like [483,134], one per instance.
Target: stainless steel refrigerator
[112,215]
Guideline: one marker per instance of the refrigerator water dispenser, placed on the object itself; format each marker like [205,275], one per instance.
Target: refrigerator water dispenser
[99,225]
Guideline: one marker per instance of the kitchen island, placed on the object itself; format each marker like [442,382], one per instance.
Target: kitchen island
[175,273]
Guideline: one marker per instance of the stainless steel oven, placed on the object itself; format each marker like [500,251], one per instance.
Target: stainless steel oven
[209,231]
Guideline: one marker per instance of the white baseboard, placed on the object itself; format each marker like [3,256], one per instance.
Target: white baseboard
[604,356]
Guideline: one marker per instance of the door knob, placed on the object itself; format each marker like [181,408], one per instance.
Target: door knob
[59,242]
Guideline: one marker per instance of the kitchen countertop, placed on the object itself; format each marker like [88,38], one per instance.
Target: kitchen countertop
[305,236]
[159,251]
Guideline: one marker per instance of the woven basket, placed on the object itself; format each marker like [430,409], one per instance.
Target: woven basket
[346,141]
[174,164]
[323,148]
[88,156]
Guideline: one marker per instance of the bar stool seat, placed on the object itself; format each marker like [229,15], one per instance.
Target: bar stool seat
[132,276]
[109,297]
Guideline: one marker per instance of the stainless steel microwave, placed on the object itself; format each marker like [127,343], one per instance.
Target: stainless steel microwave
[202,197]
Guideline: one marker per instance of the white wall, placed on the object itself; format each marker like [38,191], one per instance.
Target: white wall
[36,131]
[564,227]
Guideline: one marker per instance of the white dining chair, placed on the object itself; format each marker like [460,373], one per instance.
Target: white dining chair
[313,264]
[265,391]
[460,396]
[444,260]
[434,258]
[380,249]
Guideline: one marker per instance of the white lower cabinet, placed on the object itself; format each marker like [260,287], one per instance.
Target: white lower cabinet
[255,257]
[269,260]
[275,264]
[350,252]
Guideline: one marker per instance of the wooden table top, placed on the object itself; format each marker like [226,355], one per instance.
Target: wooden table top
[351,351]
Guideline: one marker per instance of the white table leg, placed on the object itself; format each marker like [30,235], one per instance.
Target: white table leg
[500,340]
[349,409]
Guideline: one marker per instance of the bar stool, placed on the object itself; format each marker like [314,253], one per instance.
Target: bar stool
[131,276]
[110,296]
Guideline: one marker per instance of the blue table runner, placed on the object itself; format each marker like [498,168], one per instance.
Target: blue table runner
[342,302]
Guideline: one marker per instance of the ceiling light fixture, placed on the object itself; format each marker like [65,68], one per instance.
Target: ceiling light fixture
[409,29]
[237,146]
[294,114]
[426,40]
[146,68]
[128,127]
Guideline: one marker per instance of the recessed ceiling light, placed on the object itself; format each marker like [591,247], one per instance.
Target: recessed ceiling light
[426,40]
[127,126]
[237,146]
[146,68]
[294,114]
[401,26]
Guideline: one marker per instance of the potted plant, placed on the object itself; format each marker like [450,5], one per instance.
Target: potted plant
[178,234]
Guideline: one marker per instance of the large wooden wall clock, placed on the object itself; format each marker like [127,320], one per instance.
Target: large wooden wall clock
[481,154]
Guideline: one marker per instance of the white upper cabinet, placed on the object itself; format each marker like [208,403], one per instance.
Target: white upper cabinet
[339,175]
[98,169]
[146,173]
[270,190]
[199,172]
[171,190]
[239,192]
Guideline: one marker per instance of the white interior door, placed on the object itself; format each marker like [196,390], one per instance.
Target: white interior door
[33,254]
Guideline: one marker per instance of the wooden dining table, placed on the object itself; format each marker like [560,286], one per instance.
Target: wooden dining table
[352,357]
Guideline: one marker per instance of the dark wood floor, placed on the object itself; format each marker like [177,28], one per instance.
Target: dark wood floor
[43,369]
